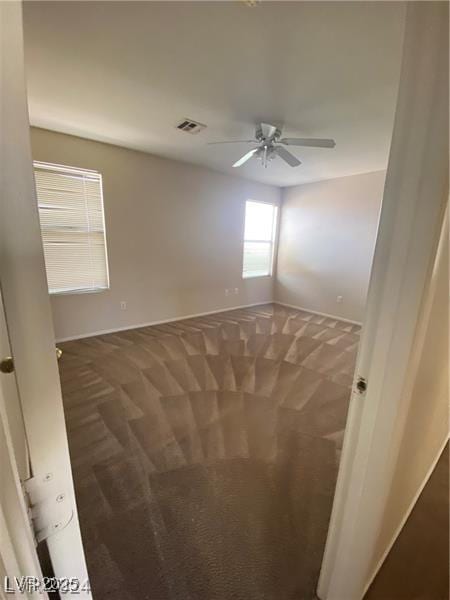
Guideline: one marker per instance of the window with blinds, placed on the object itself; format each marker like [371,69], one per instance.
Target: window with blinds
[259,238]
[70,205]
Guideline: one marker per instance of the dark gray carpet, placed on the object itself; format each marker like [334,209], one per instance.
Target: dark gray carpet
[205,453]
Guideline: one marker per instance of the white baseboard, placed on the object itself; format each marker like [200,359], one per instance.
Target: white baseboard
[193,316]
[316,312]
[406,516]
[162,322]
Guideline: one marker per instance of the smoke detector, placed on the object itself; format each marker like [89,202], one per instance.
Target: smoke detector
[190,126]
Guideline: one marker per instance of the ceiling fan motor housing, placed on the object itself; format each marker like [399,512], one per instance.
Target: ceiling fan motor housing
[264,131]
[270,144]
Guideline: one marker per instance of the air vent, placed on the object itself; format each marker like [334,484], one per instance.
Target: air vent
[190,126]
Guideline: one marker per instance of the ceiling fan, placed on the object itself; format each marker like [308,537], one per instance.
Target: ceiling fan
[270,144]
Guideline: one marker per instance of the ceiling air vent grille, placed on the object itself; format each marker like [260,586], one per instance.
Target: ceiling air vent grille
[190,126]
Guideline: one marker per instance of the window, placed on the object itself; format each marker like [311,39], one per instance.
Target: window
[259,238]
[70,205]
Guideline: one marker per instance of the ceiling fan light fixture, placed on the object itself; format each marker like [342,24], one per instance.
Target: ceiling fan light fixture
[270,145]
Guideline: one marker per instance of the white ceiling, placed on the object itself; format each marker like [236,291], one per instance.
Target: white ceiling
[128,72]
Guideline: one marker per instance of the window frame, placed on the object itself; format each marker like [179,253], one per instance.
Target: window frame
[272,242]
[56,167]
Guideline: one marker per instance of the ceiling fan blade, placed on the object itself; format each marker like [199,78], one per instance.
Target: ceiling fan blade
[234,142]
[291,160]
[245,158]
[313,142]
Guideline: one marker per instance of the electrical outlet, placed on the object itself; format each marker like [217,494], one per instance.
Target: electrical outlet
[339,299]
[123,305]
[227,292]
[236,290]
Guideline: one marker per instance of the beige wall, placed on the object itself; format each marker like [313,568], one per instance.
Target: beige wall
[427,421]
[327,239]
[174,234]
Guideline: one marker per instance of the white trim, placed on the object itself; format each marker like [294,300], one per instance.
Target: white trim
[316,312]
[45,166]
[161,322]
[406,515]
[266,276]
[415,193]
[28,313]
[202,314]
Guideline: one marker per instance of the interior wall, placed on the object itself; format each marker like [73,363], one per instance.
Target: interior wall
[327,240]
[427,423]
[174,236]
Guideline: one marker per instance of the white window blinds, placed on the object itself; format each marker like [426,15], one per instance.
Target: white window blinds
[73,228]
[259,239]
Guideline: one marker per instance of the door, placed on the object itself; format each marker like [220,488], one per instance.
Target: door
[11,409]
[415,196]
[18,557]
[29,322]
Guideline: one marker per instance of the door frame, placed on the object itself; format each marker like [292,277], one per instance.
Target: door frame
[401,272]
[415,196]
[29,320]
[18,556]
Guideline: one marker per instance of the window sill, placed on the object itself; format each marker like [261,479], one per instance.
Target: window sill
[79,292]
[256,276]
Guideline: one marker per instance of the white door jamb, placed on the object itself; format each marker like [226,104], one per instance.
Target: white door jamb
[415,195]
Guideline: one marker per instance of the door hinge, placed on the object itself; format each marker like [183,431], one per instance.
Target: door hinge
[49,508]
[361,385]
